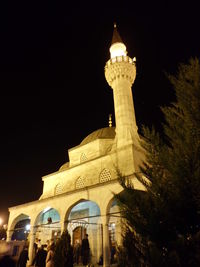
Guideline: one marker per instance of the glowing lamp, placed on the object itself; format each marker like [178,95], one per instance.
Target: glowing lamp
[117,50]
[28,227]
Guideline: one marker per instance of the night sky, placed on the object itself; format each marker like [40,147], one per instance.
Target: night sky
[53,89]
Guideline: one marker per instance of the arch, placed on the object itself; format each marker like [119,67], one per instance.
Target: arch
[47,225]
[20,227]
[20,217]
[105,175]
[83,217]
[83,209]
[47,213]
[71,207]
[78,234]
[114,217]
[115,224]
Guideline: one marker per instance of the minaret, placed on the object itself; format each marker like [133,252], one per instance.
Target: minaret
[120,73]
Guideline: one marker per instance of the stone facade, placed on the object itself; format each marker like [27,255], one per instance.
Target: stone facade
[90,176]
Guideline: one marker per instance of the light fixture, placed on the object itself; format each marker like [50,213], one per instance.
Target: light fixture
[28,227]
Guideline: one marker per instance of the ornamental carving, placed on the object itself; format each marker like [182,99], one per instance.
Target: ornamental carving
[80,183]
[120,67]
[104,176]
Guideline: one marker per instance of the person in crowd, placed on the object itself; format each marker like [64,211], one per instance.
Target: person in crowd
[35,246]
[100,260]
[77,250]
[40,259]
[50,255]
[112,253]
[48,244]
[39,243]
[23,257]
[85,250]
[5,258]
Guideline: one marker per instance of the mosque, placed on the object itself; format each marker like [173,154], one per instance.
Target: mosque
[80,195]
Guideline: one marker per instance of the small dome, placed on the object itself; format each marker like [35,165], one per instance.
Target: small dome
[65,166]
[103,133]
[107,132]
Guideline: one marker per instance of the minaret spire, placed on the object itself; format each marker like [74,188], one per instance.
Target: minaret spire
[116,37]
[120,73]
[117,47]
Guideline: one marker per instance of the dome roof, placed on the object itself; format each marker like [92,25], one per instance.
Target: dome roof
[65,166]
[107,132]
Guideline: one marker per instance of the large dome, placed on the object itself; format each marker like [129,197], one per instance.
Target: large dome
[107,132]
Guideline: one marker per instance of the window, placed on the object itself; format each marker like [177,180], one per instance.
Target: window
[80,182]
[58,189]
[105,176]
[83,157]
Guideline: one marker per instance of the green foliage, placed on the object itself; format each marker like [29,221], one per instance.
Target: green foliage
[130,254]
[63,256]
[166,217]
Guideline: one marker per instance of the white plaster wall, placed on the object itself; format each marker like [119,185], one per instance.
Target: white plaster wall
[91,150]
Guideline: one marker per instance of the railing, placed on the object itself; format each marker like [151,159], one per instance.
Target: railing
[120,59]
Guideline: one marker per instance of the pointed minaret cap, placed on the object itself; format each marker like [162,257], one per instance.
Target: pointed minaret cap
[117,48]
[116,37]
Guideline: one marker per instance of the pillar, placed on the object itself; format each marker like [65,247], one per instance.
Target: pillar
[106,243]
[62,225]
[31,246]
[9,235]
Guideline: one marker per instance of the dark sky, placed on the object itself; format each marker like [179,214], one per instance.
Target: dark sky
[53,90]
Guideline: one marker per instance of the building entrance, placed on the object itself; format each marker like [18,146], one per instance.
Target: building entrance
[84,218]
[78,234]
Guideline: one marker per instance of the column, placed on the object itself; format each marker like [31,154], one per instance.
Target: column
[106,243]
[62,225]
[9,235]
[31,246]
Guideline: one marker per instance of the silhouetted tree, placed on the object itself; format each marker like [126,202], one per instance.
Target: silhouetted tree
[163,223]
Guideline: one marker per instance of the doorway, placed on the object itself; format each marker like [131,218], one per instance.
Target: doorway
[78,234]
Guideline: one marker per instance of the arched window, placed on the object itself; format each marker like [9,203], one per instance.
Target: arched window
[80,182]
[58,189]
[104,176]
[83,157]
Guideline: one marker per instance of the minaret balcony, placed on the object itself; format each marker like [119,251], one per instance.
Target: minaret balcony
[120,67]
[120,59]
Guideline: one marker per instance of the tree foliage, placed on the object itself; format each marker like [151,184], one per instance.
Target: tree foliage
[163,222]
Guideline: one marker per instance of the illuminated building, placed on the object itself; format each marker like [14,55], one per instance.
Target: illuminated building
[79,196]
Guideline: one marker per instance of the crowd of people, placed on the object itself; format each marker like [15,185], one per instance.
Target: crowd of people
[5,259]
[44,254]
[82,251]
